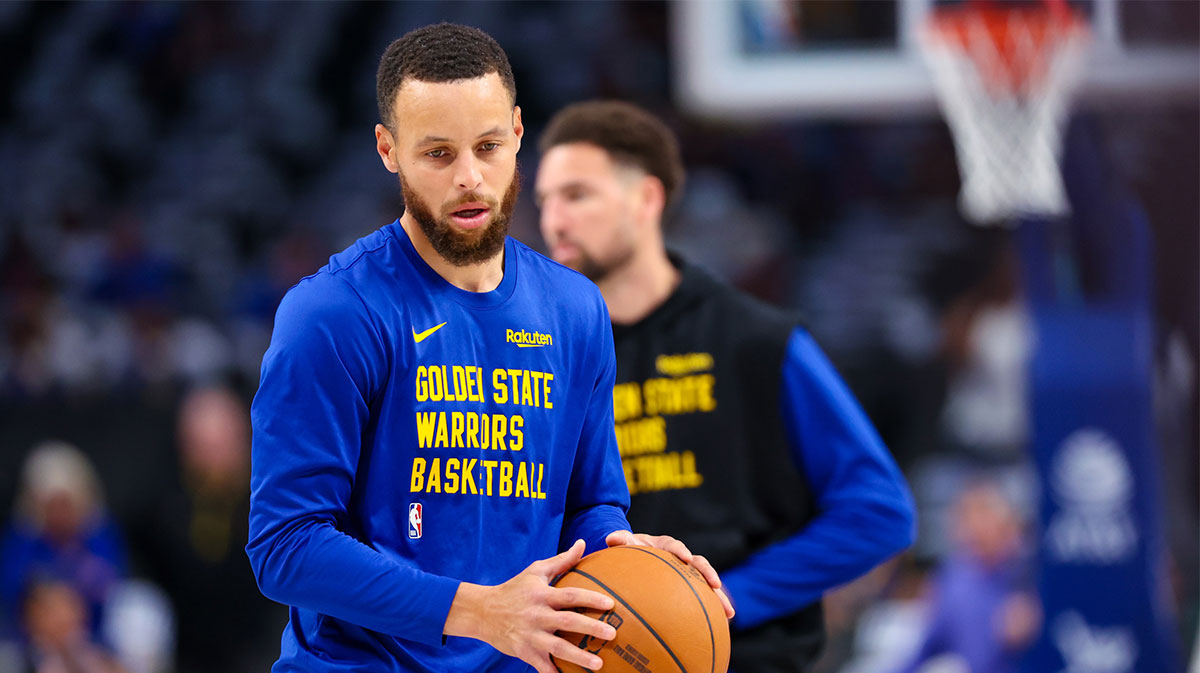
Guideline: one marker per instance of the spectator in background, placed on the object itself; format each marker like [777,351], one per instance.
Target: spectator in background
[26,293]
[983,605]
[54,616]
[61,531]
[988,343]
[193,541]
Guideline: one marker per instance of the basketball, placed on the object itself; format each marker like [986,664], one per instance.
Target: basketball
[667,618]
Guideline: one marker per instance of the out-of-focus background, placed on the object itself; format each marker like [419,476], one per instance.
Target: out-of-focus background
[168,170]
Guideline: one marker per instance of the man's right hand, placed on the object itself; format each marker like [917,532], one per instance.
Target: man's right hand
[520,617]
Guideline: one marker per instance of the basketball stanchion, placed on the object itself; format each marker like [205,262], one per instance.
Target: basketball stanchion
[1004,75]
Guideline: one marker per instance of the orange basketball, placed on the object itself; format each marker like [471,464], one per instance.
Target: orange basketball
[668,619]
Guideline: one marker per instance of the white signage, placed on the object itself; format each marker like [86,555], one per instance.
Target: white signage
[1089,649]
[1093,486]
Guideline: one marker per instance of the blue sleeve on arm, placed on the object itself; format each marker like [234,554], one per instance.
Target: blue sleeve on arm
[308,417]
[598,497]
[864,513]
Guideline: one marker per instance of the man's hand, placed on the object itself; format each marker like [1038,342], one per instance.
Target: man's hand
[519,617]
[668,543]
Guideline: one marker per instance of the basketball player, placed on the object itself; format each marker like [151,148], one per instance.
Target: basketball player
[735,432]
[435,408]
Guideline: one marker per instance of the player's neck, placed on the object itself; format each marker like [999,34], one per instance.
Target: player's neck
[482,277]
[633,291]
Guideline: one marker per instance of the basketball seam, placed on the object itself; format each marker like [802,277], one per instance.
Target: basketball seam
[649,628]
[711,636]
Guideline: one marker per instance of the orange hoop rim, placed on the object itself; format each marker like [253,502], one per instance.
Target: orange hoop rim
[1010,44]
[954,23]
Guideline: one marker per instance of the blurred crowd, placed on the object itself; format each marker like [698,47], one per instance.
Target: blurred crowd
[72,599]
[168,170]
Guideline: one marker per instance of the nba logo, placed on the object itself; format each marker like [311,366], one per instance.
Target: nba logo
[414,520]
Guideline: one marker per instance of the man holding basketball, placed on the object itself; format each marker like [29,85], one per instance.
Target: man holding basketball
[435,408]
[735,431]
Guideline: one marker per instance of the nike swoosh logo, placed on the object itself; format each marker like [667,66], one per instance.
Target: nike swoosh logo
[420,336]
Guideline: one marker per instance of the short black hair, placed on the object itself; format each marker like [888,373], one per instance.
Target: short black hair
[443,52]
[628,133]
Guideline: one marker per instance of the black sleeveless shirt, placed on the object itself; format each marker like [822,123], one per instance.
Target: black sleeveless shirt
[703,444]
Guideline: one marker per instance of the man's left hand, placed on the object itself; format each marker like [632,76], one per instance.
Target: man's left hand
[679,549]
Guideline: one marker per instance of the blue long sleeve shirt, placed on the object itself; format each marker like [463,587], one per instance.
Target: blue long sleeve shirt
[410,435]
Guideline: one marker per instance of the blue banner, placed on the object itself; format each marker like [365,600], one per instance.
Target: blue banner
[1102,565]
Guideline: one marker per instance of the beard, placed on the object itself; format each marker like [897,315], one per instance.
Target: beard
[591,267]
[470,247]
[598,268]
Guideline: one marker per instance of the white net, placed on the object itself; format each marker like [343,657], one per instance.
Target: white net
[1005,94]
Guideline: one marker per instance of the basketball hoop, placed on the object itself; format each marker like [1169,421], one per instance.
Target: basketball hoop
[1004,74]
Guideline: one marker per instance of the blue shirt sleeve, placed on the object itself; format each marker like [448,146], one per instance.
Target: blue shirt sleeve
[865,512]
[325,359]
[598,496]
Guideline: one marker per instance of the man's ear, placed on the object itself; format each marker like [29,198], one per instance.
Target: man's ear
[385,145]
[653,198]
[518,127]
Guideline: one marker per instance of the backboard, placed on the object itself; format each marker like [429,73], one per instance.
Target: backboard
[835,58]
